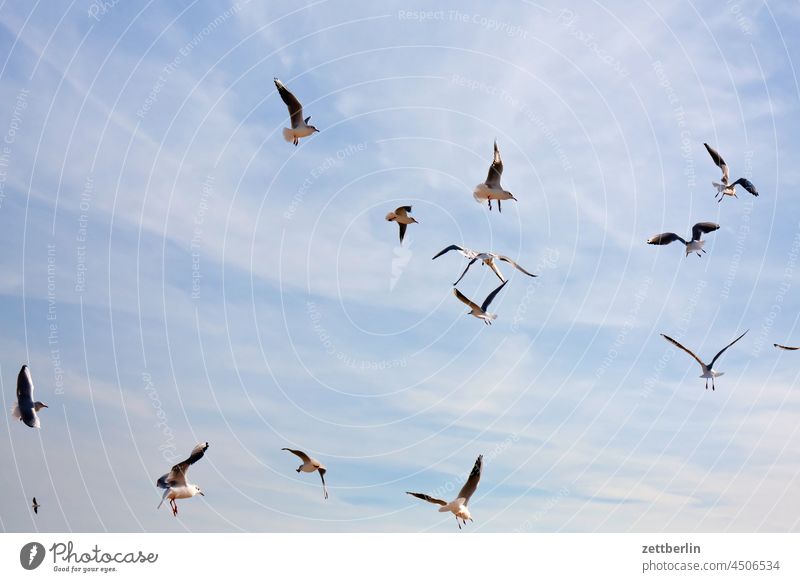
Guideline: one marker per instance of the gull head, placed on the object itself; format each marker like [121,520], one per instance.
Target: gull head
[197,491]
[37,406]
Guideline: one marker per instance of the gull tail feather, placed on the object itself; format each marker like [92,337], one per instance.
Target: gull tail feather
[288,134]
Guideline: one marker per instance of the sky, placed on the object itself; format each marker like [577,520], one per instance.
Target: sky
[174,272]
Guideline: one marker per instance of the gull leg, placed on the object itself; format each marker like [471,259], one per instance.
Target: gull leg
[458,522]
[706,383]
[490,203]
[712,384]
[498,207]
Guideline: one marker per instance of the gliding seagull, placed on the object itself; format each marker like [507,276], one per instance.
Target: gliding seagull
[491,188]
[401,217]
[300,127]
[35,506]
[174,483]
[695,245]
[708,370]
[487,258]
[459,505]
[723,188]
[309,466]
[480,312]
[25,409]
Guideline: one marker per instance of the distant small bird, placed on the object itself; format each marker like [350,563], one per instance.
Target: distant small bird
[309,466]
[723,188]
[487,258]
[300,127]
[790,348]
[35,506]
[401,217]
[480,312]
[459,505]
[25,408]
[174,483]
[708,369]
[491,188]
[693,246]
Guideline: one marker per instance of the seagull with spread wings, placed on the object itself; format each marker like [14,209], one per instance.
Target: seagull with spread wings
[35,506]
[26,408]
[174,483]
[491,188]
[300,127]
[480,312]
[723,188]
[459,505]
[309,466]
[401,217]
[693,246]
[487,258]
[708,369]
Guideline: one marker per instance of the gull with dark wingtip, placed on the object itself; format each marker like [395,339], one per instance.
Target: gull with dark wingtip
[708,369]
[309,466]
[401,217]
[300,127]
[693,246]
[480,312]
[26,408]
[723,188]
[458,506]
[487,258]
[788,348]
[491,188]
[35,506]
[174,483]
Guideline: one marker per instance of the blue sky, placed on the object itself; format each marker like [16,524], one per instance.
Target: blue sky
[175,272]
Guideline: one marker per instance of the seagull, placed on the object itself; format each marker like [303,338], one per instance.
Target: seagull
[309,466]
[708,370]
[35,506]
[480,312]
[790,348]
[300,127]
[25,409]
[491,188]
[723,188]
[693,246]
[174,483]
[459,505]
[401,217]
[487,258]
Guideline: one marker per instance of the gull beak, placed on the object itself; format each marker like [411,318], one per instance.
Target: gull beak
[45,406]
[201,493]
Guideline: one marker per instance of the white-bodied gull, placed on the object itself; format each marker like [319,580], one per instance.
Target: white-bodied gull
[174,483]
[487,258]
[480,312]
[723,188]
[459,505]
[491,188]
[708,369]
[309,466]
[300,127]
[401,217]
[693,246]
[26,408]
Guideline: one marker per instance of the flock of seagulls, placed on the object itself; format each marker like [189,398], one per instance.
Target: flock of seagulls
[175,485]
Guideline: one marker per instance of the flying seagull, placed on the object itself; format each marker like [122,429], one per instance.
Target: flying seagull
[35,506]
[459,505]
[693,246]
[174,483]
[401,217]
[480,312]
[790,348]
[300,127]
[708,370]
[25,409]
[487,258]
[723,188]
[491,188]
[309,466]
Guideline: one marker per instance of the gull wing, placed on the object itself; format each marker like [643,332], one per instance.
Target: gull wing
[719,162]
[491,297]
[515,265]
[664,239]
[403,211]
[295,108]
[322,471]
[25,386]
[688,351]
[747,185]
[447,250]
[463,299]
[495,170]
[469,264]
[427,498]
[786,347]
[703,227]
[303,457]
[472,482]
[719,353]
[402,231]
[177,475]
